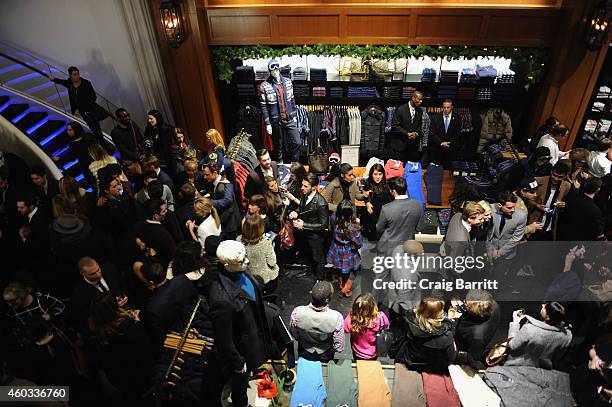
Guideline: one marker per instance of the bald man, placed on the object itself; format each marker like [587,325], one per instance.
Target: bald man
[407,139]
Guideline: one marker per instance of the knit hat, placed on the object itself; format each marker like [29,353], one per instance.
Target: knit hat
[273,64]
[542,151]
[68,225]
[231,252]
[529,184]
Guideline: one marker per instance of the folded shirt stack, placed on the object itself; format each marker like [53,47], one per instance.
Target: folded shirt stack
[318,90]
[464,168]
[468,75]
[407,92]
[604,92]
[261,74]
[447,91]
[466,92]
[486,74]
[336,92]
[363,92]
[449,76]
[299,74]
[317,74]
[300,90]
[391,92]
[246,89]
[484,94]
[245,74]
[428,75]
[503,92]
[505,76]
[286,71]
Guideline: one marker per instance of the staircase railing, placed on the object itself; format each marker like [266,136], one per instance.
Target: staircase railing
[37,81]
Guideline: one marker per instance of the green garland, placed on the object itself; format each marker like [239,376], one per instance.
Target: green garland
[223,55]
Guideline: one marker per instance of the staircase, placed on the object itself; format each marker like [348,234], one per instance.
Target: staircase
[40,108]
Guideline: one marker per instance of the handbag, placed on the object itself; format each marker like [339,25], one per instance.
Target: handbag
[384,340]
[498,354]
[318,161]
[98,113]
[287,238]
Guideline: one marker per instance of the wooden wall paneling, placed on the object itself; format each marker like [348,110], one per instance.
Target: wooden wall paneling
[445,27]
[535,4]
[369,26]
[254,27]
[302,26]
[512,28]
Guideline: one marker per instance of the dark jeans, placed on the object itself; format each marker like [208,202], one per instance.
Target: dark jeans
[94,126]
[287,141]
[216,376]
[314,244]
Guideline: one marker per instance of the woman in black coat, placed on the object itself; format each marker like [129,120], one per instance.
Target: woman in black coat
[476,327]
[160,136]
[427,343]
[377,194]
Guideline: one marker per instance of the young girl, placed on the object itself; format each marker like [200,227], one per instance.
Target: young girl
[344,251]
[363,323]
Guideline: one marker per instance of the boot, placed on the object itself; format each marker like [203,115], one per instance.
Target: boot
[346,290]
[341,282]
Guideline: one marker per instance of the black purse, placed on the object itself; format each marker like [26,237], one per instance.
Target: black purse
[318,161]
[384,341]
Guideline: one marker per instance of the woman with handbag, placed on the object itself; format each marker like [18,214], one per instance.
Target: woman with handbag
[364,322]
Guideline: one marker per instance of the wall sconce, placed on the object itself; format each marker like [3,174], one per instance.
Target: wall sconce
[172,22]
[599,25]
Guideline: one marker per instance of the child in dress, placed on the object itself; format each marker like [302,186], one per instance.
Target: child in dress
[363,323]
[344,251]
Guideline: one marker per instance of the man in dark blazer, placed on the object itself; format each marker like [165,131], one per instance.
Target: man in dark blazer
[582,219]
[167,305]
[115,211]
[311,221]
[153,233]
[255,183]
[223,200]
[152,164]
[187,196]
[95,280]
[45,188]
[33,230]
[443,134]
[400,219]
[405,142]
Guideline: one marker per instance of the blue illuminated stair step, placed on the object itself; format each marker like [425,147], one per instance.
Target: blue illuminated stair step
[21,115]
[37,125]
[53,135]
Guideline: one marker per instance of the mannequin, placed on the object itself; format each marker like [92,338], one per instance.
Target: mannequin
[280,114]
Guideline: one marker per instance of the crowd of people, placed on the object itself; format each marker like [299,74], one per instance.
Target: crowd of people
[94,281]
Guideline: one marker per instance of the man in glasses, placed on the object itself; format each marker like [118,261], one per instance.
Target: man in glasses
[280,114]
[127,138]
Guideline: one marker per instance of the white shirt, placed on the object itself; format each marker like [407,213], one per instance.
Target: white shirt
[269,172]
[208,228]
[401,197]
[32,213]
[412,110]
[466,225]
[154,222]
[553,145]
[102,283]
[309,198]
[600,165]
[549,204]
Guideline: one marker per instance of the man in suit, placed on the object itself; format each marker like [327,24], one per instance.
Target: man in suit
[552,192]
[96,280]
[116,211]
[457,239]
[45,188]
[400,219]
[223,200]
[406,141]
[152,164]
[33,228]
[311,221]
[167,305]
[444,134]
[508,230]
[153,233]
[582,219]
[255,183]
[187,196]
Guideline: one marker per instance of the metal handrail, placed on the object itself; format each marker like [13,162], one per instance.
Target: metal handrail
[52,70]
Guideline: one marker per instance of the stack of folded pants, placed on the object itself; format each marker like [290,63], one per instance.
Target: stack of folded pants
[449,76]
[301,90]
[261,74]
[286,71]
[428,75]
[317,74]
[336,92]
[486,74]
[299,74]
[447,91]
[484,94]
[407,92]
[318,91]
[363,92]
[391,92]
[466,92]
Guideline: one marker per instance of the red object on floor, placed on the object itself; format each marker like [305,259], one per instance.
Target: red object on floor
[439,391]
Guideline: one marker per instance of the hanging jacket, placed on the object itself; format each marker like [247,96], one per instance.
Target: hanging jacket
[494,127]
[270,100]
[372,128]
